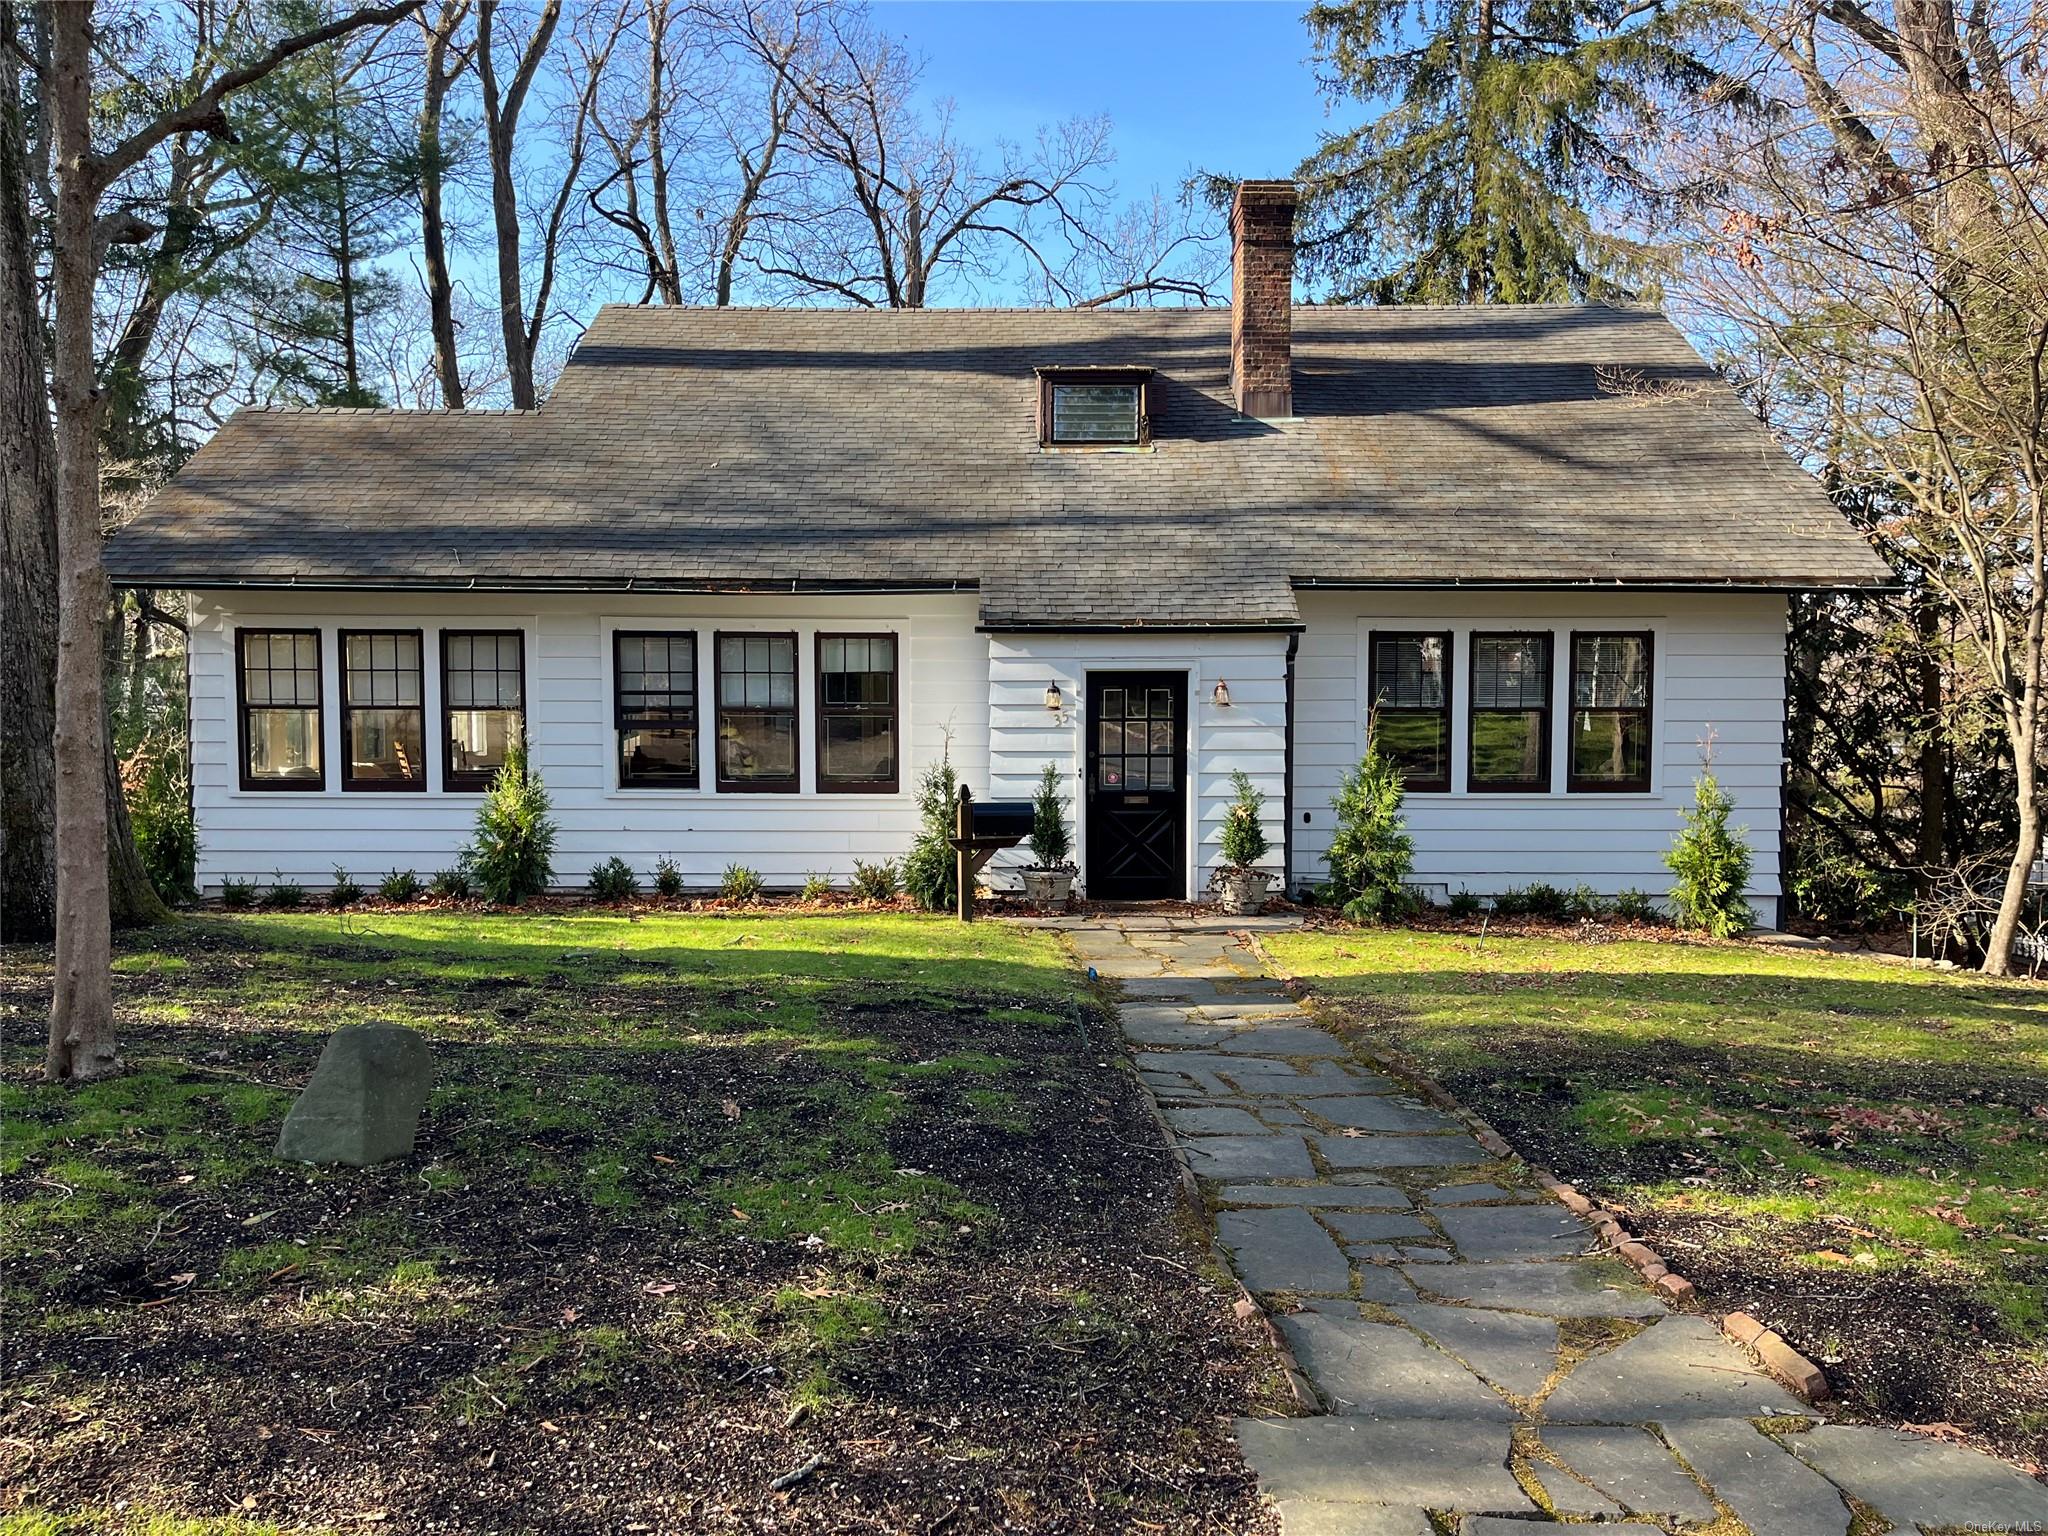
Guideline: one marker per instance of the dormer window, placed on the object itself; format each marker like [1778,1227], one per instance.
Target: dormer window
[1094,407]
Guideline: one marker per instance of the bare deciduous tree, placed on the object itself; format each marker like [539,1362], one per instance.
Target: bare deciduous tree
[1884,240]
[81,1041]
[445,63]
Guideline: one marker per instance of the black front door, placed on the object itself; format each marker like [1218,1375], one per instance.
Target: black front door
[1137,786]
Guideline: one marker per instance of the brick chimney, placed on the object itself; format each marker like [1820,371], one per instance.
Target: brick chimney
[1262,299]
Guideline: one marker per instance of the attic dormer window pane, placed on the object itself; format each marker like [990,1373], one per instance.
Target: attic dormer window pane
[1095,413]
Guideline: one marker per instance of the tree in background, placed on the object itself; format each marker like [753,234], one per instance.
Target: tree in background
[1880,242]
[1502,152]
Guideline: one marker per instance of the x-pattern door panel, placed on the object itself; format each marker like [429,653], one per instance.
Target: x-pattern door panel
[1137,786]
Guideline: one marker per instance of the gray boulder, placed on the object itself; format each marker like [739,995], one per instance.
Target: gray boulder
[362,1104]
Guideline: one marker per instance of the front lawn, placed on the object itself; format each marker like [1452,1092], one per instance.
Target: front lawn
[864,1204]
[1857,1152]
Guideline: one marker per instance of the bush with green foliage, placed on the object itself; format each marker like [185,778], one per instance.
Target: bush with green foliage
[740,884]
[1711,861]
[614,880]
[1244,824]
[928,872]
[166,836]
[816,887]
[1539,899]
[1371,854]
[284,895]
[1051,840]
[512,851]
[453,884]
[668,879]
[344,892]
[237,895]
[1635,906]
[401,887]
[1463,903]
[874,882]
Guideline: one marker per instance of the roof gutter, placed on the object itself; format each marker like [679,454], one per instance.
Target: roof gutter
[1140,629]
[523,584]
[1596,584]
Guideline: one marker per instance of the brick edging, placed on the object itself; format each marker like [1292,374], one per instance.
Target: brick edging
[1799,1374]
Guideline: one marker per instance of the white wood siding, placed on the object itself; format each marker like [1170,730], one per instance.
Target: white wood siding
[1250,733]
[302,836]
[1719,665]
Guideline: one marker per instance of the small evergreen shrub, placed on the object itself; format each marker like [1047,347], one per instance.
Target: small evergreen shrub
[668,879]
[874,882]
[1244,827]
[1051,841]
[928,870]
[453,884]
[237,895]
[740,884]
[402,887]
[1635,906]
[344,892]
[817,887]
[1371,853]
[1711,861]
[284,895]
[1538,900]
[614,880]
[513,848]
[1582,901]
[166,837]
[1463,903]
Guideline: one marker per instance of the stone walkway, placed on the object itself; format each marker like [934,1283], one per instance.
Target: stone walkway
[1477,1359]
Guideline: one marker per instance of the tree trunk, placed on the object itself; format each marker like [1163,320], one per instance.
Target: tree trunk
[2013,899]
[433,237]
[28,560]
[82,1044]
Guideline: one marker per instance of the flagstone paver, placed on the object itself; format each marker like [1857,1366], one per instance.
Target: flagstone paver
[1767,1489]
[1632,1467]
[1416,1283]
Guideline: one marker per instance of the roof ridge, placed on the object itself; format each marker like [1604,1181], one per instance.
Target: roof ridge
[289,408]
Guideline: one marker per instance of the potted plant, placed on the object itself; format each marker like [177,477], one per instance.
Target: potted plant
[1241,889]
[1049,880]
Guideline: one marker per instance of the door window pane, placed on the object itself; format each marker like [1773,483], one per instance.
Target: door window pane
[278,673]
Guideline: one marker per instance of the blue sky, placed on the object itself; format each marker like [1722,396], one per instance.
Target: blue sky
[1222,86]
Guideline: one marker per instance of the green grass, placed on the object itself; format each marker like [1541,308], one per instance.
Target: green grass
[563,1045]
[1892,1116]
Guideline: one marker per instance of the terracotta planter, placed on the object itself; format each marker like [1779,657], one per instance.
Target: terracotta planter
[1048,887]
[1241,892]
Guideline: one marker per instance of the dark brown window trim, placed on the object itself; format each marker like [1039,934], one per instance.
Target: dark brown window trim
[279,786]
[1542,782]
[1640,786]
[454,781]
[414,786]
[794,783]
[892,784]
[1115,377]
[1373,637]
[619,723]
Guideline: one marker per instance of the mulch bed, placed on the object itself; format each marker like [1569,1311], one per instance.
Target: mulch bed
[644,1369]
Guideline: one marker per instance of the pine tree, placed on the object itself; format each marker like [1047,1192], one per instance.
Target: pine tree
[1500,139]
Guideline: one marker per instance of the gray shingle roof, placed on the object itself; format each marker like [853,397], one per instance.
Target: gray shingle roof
[859,448]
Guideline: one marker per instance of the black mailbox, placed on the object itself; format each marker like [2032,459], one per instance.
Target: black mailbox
[1001,818]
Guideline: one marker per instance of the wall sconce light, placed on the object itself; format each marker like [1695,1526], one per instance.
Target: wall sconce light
[1053,701]
[1221,698]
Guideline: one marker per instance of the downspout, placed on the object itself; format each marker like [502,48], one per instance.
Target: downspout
[1287,777]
